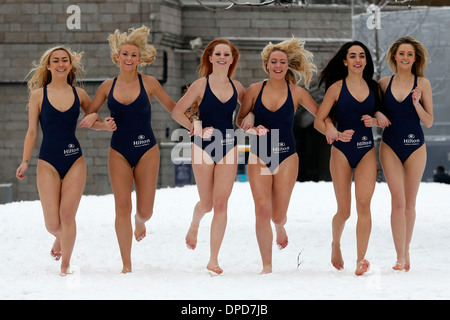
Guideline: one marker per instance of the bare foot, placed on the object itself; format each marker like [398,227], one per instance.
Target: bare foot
[191,237]
[214,267]
[336,257]
[126,270]
[140,230]
[266,270]
[65,271]
[56,250]
[407,262]
[282,238]
[362,267]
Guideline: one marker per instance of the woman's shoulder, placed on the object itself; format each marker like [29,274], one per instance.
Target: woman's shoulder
[422,81]
[37,93]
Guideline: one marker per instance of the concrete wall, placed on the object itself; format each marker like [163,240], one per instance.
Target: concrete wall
[28,28]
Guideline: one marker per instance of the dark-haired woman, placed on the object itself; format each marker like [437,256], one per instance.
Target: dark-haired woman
[351,97]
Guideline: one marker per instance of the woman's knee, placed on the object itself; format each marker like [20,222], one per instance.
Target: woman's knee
[123,207]
[263,211]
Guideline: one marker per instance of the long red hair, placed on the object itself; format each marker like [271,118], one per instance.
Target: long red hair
[206,67]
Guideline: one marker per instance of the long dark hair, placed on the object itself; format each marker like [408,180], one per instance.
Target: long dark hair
[335,70]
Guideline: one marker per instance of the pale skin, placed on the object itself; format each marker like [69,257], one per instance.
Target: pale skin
[404,179]
[272,192]
[145,173]
[59,198]
[214,181]
[341,172]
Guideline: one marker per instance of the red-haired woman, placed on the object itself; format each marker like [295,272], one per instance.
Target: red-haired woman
[214,152]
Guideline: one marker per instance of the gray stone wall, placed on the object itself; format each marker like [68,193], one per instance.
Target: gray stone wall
[28,28]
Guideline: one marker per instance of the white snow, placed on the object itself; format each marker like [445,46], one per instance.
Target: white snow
[163,268]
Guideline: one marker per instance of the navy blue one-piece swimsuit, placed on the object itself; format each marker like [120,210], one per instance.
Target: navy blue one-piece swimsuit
[134,135]
[59,147]
[348,114]
[404,135]
[279,143]
[219,115]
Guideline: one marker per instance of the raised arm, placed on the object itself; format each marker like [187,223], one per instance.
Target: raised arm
[192,95]
[425,109]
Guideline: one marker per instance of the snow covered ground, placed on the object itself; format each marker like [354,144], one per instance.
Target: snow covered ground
[163,268]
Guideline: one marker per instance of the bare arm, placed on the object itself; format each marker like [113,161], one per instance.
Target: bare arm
[329,100]
[92,107]
[424,110]
[32,132]
[158,91]
[191,96]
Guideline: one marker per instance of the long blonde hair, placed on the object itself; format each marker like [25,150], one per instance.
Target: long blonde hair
[420,65]
[299,59]
[42,76]
[137,37]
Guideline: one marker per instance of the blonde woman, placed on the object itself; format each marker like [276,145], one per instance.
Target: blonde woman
[134,153]
[55,102]
[407,101]
[273,161]
[214,151]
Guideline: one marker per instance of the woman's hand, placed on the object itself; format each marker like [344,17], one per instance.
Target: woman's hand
[346,136]
[416,95]
[248,122]
[382,120]
[109,124]
[89,120]
[21,170]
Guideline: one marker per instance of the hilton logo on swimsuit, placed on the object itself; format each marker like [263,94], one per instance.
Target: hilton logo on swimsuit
[229,139]
[411,140]
[281,148]
[71,150]
[364,143]
[141,142]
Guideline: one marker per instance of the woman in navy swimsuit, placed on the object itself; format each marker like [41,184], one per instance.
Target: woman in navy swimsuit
[214,152]
[407,102]
[352,97]
[273,161]
[133,154]
[61,169]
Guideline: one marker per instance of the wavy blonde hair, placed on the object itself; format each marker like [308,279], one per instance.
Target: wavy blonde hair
[137,37]
[299,59]
[42,76]
[420,65]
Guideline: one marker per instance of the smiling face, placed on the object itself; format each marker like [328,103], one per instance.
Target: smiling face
[355,59]
[277,65]
[128,57]
[59,64]
[405,56]
[221,56]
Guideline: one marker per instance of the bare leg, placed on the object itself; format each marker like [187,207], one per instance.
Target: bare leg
[71,193]
[49,187]
[224,176]
[261,185]
[341,173]
[204,177]
[365,179]
[283,184]
[121,177]
[145,180]
[414,168]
